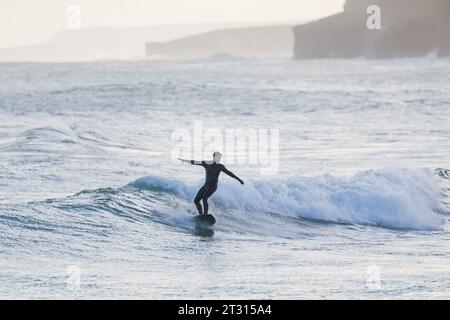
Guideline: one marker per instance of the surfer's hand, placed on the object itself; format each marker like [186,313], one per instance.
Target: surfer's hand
[242,182]
[182,160]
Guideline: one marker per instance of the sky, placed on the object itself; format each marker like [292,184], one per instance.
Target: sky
[24,22]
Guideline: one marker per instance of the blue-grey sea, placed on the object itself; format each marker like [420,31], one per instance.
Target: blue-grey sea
[93,205]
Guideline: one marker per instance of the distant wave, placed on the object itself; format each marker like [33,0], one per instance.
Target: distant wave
[59,136]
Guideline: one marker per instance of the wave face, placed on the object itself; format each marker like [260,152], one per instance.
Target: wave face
[391,198]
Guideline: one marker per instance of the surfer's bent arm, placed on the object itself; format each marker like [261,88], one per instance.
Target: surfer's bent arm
[231,174]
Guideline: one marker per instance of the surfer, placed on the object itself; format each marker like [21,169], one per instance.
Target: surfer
[213,169]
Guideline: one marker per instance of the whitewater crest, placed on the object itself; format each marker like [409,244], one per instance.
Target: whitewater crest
[395,198]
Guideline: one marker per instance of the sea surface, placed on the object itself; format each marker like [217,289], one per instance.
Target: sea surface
[94,206]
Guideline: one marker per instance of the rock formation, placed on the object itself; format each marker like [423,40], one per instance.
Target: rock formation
[408,28]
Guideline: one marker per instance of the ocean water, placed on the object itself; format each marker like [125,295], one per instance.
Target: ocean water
[93,206]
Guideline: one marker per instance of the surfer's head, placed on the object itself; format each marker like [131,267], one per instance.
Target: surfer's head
[217,156]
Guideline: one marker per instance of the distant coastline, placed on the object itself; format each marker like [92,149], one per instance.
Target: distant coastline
[104,43]
[409,28]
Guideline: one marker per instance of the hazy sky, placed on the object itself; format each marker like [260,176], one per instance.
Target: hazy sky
[29,22]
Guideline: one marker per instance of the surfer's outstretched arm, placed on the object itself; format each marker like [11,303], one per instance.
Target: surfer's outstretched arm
[231,174]
[194,162]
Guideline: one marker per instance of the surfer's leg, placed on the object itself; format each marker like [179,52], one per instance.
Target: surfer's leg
[197,199]
[205,205]
[208,192]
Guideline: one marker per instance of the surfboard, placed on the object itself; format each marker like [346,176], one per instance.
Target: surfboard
[205,220]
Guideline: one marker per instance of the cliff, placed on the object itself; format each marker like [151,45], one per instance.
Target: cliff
[242,42]
[408,28]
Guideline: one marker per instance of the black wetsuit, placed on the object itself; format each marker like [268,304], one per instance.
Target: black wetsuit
[213,171]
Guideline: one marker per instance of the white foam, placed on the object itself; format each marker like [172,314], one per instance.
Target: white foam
[394,198]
